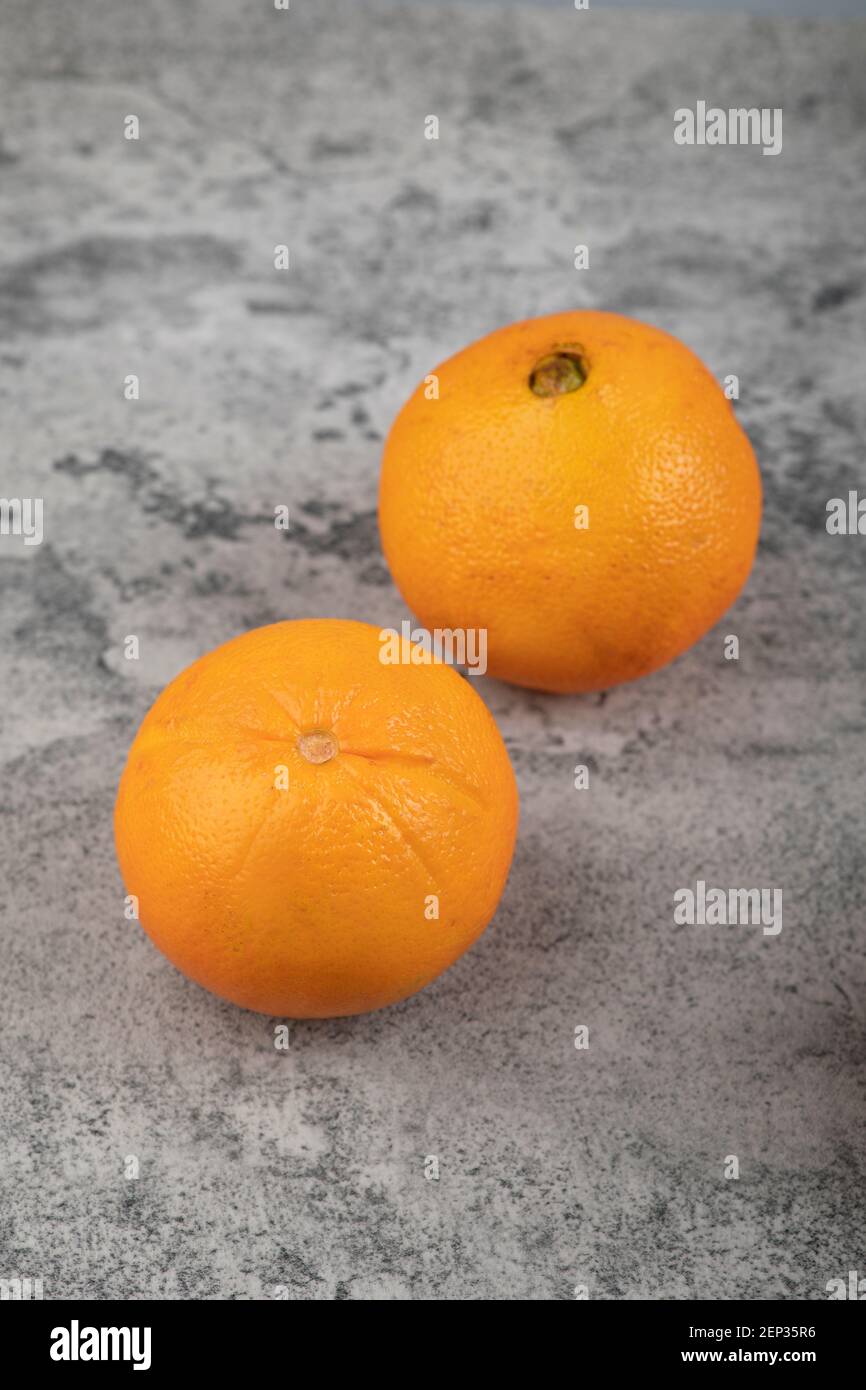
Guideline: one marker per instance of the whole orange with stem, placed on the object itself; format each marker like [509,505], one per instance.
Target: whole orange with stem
[309,831]
[578,486]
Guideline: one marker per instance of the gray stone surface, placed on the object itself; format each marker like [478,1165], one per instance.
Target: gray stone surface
[306,1169]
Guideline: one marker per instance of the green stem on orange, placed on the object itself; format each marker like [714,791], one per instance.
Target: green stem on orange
[558,374]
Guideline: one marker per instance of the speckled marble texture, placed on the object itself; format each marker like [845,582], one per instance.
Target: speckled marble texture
[304,1169]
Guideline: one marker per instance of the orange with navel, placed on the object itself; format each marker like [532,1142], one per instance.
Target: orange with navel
[310,832]
[578,486]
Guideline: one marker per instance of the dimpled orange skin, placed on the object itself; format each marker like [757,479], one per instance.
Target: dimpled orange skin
[309,902]
[479,489]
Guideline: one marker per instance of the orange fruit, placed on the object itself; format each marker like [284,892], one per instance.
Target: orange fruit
[292,810]
[581,489]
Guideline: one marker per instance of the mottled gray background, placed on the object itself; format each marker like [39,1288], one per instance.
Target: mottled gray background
[305,1169]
